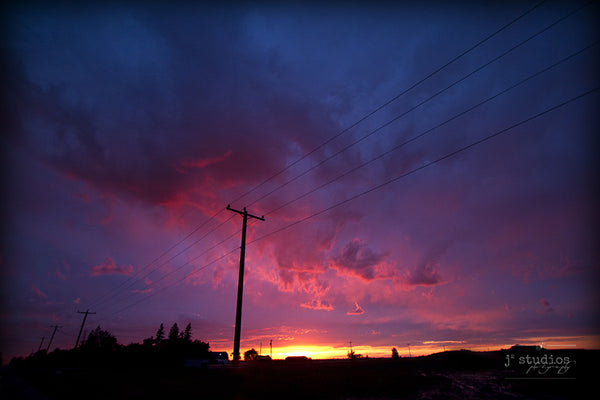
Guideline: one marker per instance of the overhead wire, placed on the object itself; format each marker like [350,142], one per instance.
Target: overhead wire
[428,164]
[412,139]
[154,293]
[146,266]
[189,262]
[428,99]
[454,117]
[390,101]
[323,144]
[339,134]
[139,279]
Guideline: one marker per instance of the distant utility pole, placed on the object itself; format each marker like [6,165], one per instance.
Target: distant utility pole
[238,310]
[271,345]
[52,337]
[41,343]
[410,355]
[82,324]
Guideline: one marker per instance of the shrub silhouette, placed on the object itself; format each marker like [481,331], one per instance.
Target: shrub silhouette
[250,355]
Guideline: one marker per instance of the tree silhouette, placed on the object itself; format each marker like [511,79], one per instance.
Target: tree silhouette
[250,355]
[174,333]
[101,349]
[395,354]
[100,341]
[186,335]
[160,334]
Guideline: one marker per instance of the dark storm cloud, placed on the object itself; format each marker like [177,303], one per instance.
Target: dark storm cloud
[358,259]
[142,98]
[426,274]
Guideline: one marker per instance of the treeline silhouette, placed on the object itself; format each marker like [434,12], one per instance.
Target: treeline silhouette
[101,350]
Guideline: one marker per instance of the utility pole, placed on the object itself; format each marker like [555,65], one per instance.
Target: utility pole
[238,310]
[41,343]
[52,337]
[271,345]
[410,355]
[82,324]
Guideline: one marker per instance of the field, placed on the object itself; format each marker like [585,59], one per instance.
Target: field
[449,375]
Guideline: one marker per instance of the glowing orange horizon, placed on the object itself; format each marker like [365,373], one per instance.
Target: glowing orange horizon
[325,351]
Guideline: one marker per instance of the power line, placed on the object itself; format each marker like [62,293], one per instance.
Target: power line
[456,58]
[374,188]
[129,282]
[139,279]
[115,289]
[404,175]
[187,262]
[397,147]
[481,67]
[176,282]
[195,271]
[328,141]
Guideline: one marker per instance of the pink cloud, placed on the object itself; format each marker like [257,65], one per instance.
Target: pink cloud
[204,162]
[317,304]
[77,300]
[426,275]
[38,292]
[109,267]
[357,259]
[357,310]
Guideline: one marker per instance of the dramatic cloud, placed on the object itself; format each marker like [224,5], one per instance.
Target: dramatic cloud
[359,260]
[426,274]
[129,128]
[109,267]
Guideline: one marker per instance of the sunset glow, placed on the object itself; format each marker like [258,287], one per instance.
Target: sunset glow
[427,175]
[416,349]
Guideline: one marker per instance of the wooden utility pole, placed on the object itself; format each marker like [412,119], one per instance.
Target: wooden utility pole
[82,324]
[52,337]
[238,310]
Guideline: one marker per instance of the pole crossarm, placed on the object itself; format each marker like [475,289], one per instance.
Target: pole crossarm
[242,213]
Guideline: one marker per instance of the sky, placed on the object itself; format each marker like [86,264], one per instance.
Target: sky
[427,174]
